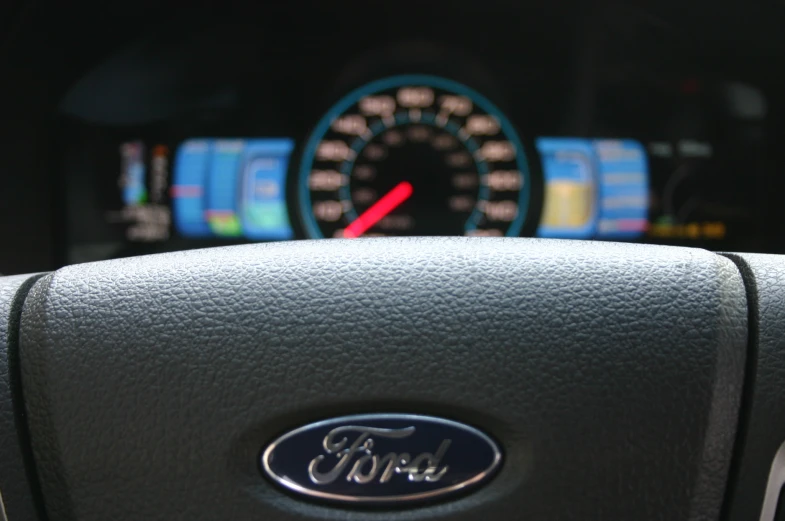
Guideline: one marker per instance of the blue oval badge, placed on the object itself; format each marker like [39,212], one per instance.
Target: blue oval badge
[381,458]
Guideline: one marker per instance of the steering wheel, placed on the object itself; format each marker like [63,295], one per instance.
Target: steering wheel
[396,379]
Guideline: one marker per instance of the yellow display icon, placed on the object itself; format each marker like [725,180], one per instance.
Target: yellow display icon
[568,205]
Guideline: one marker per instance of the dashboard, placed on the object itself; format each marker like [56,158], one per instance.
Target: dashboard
[364,120]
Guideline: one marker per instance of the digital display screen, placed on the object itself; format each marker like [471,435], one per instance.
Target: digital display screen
[450,129]
[594,189]
[215,188]
[236,189]
[211,191]
[144,177]
[232,188]
[412,155]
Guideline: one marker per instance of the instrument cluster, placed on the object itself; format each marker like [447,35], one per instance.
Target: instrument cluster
[421,134]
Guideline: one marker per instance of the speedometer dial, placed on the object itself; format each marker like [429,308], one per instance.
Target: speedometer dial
[413,155]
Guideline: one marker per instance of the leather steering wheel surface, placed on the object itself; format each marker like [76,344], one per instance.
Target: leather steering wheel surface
[609,381]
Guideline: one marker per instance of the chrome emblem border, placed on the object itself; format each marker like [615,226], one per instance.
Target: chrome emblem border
[353,421]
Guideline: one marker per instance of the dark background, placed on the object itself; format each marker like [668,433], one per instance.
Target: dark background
[557,66]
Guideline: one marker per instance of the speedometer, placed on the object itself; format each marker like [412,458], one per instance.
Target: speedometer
[413,155]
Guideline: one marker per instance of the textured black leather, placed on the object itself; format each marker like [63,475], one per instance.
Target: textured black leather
[15,489]
[764,429]
[610,374]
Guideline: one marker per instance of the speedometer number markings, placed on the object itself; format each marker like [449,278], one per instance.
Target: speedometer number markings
[415,97]
[497,151]
[334,151]
[353,124]
[481,125]
[329,211]
[503,180]
[413,155]
[327,180]
[377,105]
[458,105]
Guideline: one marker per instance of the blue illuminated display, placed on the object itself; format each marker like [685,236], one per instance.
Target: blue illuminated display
[190,176]
[134,173]
[594,188]
[263,199]
[570,206]
[232,188]
[624,189]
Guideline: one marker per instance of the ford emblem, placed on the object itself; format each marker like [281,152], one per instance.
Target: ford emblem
[381,458]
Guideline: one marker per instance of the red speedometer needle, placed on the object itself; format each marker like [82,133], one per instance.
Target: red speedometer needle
[389,202]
